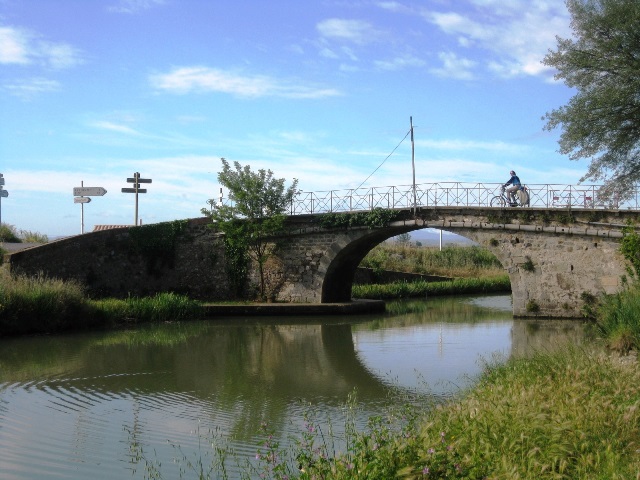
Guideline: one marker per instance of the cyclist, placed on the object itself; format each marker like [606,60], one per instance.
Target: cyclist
[514,181]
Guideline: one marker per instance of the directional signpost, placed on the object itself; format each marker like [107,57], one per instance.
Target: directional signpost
[89,191]
[82,195]
[3,194]
[136,180]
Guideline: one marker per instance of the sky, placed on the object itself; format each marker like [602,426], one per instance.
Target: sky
[322,91]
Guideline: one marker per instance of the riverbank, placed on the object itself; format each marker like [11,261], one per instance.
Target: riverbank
[571,415]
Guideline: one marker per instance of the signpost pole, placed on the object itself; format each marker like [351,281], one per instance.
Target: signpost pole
[81,212]
[136,177]
[136,180]
[3,193]
[79,194]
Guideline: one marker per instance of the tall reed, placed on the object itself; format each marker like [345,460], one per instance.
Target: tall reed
[39,304]
[618,319]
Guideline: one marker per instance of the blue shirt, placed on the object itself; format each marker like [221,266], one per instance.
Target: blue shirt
[514,179]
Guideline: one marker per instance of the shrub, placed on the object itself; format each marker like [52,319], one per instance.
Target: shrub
[8,233]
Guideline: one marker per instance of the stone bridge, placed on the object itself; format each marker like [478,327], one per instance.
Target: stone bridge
[555,258]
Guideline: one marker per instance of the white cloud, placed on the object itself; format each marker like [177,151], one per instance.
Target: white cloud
[454,67]
[392,6]
[30,87]
[22,47]
[134,6]
[203,79]
[115,127]
[518,34]
[13,46]
[355,31]
[463,145]
[399,63]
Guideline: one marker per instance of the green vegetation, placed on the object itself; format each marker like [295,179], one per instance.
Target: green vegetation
[28,236]
[378,217]
[157,243]
[599,62]
[10,234]
[618,319]
[528,265]
[38,304]
[43,305]
[472,269]
[422,288]
[255,214]
[451,261]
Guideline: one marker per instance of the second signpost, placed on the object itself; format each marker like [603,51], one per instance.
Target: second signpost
[136,180]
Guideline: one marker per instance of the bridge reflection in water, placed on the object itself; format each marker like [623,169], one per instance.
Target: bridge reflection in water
[78,405]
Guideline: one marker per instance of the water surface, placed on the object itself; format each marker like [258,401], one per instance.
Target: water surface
[98,405]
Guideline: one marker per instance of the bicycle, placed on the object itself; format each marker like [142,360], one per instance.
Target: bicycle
[522,199]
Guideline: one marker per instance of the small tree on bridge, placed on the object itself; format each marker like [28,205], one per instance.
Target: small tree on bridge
[255,213]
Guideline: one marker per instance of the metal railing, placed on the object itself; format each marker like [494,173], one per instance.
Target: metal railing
[454,194]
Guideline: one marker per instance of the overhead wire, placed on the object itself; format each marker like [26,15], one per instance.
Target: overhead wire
[387,158]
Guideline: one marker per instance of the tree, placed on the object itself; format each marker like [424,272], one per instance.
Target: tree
[255,213]
[602,121]
[404,239]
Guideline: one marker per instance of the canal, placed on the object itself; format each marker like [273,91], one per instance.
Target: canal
[145,402]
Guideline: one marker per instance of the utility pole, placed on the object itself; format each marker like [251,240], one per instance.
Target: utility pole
[413,167]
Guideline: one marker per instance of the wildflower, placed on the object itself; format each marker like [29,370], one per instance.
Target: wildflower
[431,451]
[425,471]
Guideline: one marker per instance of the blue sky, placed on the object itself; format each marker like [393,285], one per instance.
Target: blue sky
[319,90]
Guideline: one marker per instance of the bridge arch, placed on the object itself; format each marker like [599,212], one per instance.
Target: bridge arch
[340,270]
[551,263]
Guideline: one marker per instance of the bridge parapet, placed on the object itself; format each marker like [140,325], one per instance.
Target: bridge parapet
[448,194]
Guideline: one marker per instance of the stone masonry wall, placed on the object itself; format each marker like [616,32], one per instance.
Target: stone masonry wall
[551,265]
[109,264]
[551,273]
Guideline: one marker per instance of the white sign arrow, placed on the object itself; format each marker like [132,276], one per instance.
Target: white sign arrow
[88,191]
[81,200]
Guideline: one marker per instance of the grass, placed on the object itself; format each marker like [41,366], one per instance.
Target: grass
[618,319]
[44,305]
[423,288]
[39,304]
[451,261]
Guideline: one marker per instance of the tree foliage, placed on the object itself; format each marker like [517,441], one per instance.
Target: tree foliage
[601,122]
[255,213]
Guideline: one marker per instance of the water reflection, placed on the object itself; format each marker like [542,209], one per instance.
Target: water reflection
[74,405]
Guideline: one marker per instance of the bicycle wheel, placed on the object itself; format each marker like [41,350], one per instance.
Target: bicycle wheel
[498,201]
